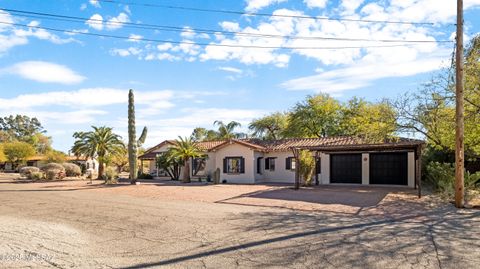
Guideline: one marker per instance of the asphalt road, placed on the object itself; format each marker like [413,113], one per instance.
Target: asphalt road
[65,228]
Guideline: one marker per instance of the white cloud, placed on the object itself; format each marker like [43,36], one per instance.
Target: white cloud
[96,22]
[11,36]
[255,5]
[120,52]
[134,38]
[349,6]
[187,33]
[117,22]
[94,3]
[230,26]
[231,69]
[384,63]
[183,125]
[83,6]
[164,46]
[149,102]
[315,3]
[44,72]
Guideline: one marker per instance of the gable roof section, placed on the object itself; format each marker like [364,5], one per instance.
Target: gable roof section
[243,142]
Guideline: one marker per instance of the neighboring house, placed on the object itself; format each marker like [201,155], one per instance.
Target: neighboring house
[338,160]
[40,160]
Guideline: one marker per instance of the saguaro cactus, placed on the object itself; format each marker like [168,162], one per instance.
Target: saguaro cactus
[133,143]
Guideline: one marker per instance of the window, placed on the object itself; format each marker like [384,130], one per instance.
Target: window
[290,163]
[234,165]
[259,165]
[198,166]
[270,164]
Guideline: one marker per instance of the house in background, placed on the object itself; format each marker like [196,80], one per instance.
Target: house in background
[40,160]
[339,160]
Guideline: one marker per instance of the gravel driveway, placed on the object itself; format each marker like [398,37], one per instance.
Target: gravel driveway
[67,225]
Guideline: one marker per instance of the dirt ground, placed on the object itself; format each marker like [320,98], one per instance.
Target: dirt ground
[164,224]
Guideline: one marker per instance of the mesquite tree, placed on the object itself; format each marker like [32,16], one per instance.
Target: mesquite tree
[133,143]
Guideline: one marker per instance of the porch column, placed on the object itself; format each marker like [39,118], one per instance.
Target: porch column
[365,168]
[325,168]
[317,155]
[411,169]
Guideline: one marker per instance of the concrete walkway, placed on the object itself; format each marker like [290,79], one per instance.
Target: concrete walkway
[75,225]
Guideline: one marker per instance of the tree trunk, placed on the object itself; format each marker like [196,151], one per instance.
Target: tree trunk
[101,168]
[186,172]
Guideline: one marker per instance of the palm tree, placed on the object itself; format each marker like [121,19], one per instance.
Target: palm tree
[225,131]
[101,143]
[186,148]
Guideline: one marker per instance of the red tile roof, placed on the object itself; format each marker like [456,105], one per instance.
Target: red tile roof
[324,143]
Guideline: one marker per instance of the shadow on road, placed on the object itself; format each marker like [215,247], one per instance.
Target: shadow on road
[429,219]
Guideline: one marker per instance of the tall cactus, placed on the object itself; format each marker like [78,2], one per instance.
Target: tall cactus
[133,143]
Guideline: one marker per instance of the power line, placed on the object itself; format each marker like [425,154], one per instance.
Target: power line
[236,12]
[199,44]
[50,16]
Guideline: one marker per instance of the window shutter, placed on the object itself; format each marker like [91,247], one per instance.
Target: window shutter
[242,165]
[259,165]
[288,163]
[267,163]
[318,166]
[225,165]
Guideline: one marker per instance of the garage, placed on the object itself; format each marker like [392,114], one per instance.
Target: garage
[389,168]
[346,168]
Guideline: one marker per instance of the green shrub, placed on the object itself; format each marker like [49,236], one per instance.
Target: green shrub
[442,177]
[26,171]
[36,175]
[72,170]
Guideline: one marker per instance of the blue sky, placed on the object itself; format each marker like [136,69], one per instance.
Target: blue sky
[72,81]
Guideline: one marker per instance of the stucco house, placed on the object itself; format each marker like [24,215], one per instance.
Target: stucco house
[339,160]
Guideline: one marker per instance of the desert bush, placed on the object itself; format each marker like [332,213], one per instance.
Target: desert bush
[442,178]
[52,174]
[26,171]
[72,170]
[53,171]
[36,175]
[50,166]
[111,175]
[306,166]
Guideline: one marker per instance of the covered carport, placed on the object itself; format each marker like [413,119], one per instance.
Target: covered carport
[392,163]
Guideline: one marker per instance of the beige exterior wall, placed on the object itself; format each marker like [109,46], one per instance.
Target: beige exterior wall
[236,150]
[280,174]
[210,164]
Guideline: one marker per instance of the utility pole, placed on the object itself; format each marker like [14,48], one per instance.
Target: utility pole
[459,110]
